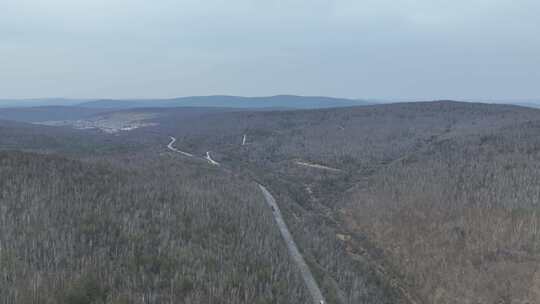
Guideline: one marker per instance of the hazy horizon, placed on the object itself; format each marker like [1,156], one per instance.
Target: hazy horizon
[399,50]
[373,99]
[73,101]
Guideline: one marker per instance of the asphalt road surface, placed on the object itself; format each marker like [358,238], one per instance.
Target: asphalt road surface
[170,147]
[309,280]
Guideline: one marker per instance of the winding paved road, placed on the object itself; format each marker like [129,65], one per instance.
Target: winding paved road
[210,160]
[170,147]
[309,280]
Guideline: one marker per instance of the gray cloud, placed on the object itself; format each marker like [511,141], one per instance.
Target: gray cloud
[352,48]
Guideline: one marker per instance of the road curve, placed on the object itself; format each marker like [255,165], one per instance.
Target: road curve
[210,160]
[309,280]
[170,147]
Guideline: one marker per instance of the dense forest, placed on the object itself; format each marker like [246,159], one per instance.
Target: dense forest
[460,219]
[401,203]
[158,232]
[441,197]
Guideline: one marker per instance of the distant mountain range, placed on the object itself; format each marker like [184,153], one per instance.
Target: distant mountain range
[225,101]
[59,109]
[40,102]
[47,113]
[280,101]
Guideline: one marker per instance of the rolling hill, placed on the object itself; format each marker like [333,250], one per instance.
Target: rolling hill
[429,202]
[39,102]
[281,101]
[440,198]
[48,113]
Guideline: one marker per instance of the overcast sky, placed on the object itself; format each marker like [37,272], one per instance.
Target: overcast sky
[425,49]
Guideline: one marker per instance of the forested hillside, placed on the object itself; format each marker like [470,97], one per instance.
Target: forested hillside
[404,203]
[45,139]
[157,232]
[269,152]
[442,196]
[460,219]
[343,137]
